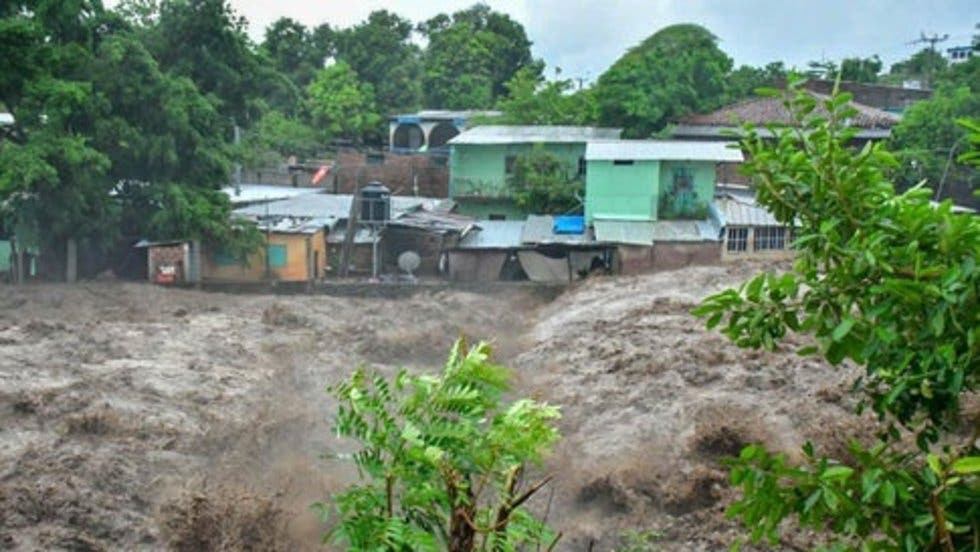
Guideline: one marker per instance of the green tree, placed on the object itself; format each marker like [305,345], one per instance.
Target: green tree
[342,106]
[531,100]
[471,56]
[543,183]
[743,82]
[442,458]
[676,71]
[890,283]
[381,52]
[276,137]
[927,140]
[293,50]
[924,65]
[861,69]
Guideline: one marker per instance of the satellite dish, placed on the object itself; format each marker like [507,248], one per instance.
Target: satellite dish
[409,261]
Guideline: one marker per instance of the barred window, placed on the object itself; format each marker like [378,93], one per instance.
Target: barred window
[770,238]
[738,239]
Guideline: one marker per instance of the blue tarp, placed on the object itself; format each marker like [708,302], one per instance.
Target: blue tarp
[569,225]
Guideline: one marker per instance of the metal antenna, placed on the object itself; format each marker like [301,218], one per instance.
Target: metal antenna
[930,40]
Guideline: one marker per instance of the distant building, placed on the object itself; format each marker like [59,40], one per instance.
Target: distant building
[429,130]
[959,54]
[893,99]
[872,124]
[482,159]
[750,230]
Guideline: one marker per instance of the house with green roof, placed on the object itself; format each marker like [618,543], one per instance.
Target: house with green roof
[482,159]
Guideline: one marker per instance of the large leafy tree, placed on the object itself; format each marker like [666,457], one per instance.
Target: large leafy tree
[531,100]
[206,41]
[854,69]
[294,50]
[52,184]
[342,106]
[676,71]
[743,82]
[889,282]
[924,65]
[470,57]
[927,140]
[543,183]
[381,52]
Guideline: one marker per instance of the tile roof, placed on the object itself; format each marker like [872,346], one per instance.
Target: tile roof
[508,134]
[761,111]
[662,150]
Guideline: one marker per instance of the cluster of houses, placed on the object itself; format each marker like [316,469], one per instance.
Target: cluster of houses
[648,205]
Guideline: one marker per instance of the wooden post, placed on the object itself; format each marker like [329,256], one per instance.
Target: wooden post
[18,262]
[71,261]
[195,262]
[310,264]
[352,222]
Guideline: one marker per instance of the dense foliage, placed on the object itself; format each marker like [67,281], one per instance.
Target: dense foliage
[542,183]
[442,460]
[890,283]
[676,71]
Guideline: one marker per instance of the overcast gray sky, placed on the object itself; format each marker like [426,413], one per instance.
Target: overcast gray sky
[585,37]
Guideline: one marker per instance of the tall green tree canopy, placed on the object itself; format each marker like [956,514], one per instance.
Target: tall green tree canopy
[342,106]
[470,57]
[531,100]
[924,65]
[381,52]
[676,71]
[294,50]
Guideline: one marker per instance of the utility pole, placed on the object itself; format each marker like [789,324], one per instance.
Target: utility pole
[931,41]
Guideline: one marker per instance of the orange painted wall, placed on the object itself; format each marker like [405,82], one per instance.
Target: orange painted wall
[296,270]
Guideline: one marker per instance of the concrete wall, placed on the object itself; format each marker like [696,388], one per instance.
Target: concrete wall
[300,249]
[480,169]
[638,259]
[486,208]
[429,245]
[476,265]
[622,191]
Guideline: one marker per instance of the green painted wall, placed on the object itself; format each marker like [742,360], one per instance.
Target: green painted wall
[692,203]
[480,169]
[4,255]
[622,191]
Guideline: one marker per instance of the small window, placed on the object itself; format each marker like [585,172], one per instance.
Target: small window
[582,165]
[223,258]
[277,256]
[768,238]
[683,180]
[738,240]
[509,162]
[497,216]
[622,162]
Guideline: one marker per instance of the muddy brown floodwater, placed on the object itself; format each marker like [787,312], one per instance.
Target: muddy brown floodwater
[135,417]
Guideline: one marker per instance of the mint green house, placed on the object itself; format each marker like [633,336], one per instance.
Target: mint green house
[646,181]
[481,160]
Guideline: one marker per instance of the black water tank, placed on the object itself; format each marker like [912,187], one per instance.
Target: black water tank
[375,203]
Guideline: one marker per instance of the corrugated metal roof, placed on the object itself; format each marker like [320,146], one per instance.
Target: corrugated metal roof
[291,225]
[740,209]
[633,232]
[330,206]
[540,229]
[636,232]
[253,193]
[662,150]
[509,134]
[435,221]
[449,115]
[494,234]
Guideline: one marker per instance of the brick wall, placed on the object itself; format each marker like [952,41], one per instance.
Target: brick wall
[401,173]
